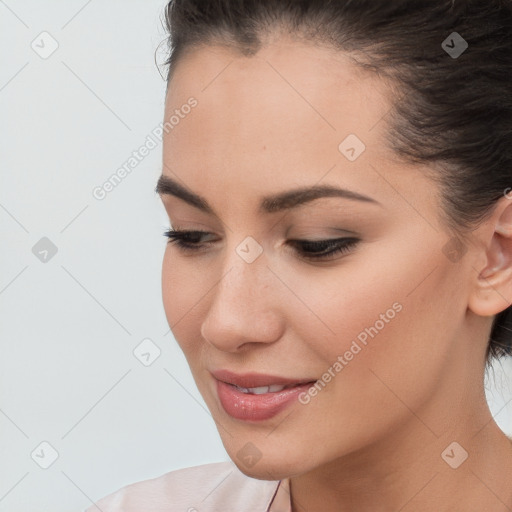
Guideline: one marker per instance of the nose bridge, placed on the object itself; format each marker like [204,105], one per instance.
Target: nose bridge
[242,306]
[245,273]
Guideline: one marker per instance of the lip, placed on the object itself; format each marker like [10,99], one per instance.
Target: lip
[254,380]
[252,407]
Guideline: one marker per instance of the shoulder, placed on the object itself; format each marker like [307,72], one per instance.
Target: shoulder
[205,488]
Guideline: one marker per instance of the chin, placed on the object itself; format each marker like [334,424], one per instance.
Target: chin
[269,469]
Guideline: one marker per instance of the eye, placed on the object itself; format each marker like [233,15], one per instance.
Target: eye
[189,241]
[324,249]
[185,240]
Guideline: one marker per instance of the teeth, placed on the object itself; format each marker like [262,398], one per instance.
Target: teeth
[274,388]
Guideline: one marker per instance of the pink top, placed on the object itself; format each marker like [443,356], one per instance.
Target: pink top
[215,487]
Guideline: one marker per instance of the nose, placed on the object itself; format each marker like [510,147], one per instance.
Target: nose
[244,308]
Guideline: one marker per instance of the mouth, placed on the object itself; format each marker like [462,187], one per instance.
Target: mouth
[257,397]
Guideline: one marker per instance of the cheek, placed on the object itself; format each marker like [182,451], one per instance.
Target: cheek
[379,312]
[182,290]
[407,346]
[344,306]
[172,290]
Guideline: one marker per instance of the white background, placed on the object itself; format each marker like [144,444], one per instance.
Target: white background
[68,327]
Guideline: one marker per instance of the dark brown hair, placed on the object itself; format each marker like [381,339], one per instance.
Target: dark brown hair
[455,105]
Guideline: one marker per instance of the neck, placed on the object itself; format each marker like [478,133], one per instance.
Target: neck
[416,468]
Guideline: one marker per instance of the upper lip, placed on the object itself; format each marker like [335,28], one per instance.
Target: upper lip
[254,380]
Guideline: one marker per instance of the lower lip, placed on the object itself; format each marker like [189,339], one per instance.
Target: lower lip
[249,407]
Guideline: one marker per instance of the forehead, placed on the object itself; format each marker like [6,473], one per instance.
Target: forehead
[288,89]
[275,118]
[284,83]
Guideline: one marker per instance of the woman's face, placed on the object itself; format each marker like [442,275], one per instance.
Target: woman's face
[380,325]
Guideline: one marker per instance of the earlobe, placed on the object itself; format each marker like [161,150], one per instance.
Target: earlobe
[492,292]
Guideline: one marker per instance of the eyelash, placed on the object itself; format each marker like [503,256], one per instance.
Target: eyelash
[181,239]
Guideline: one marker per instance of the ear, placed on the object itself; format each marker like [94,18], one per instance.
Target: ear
[492,291]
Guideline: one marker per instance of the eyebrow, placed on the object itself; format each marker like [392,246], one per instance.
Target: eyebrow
[269,204]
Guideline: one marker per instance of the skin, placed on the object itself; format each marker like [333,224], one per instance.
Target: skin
[372,439]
